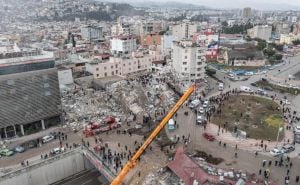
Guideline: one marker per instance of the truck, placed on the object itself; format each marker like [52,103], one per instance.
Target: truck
[246,89]
[107,123]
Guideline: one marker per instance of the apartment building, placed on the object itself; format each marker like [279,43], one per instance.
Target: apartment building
[185,30]
[92,33]
[122,65]
[123,44]
[261,32]
[188,60]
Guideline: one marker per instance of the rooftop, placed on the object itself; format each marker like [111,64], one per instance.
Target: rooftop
[42,57]
[246,54]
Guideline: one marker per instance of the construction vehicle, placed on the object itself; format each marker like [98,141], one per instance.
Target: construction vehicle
[107,123]
[132,162]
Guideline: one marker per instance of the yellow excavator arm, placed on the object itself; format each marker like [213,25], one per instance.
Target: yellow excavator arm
[132,162]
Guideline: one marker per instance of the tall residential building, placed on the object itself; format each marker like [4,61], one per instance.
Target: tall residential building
[188,60]
[92,33]
[247,12]
[260,31]
[29,93]
[184,30]
[123,44]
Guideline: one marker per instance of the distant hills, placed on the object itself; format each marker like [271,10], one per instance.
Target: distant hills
[153,4]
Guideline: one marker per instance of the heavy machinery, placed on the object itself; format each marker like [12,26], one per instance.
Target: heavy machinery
[107,123]
[132,162]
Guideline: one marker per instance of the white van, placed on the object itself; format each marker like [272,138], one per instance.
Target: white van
[221,86]
[194,104]
[171,124]
[246,89]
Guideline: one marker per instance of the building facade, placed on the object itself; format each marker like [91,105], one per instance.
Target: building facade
[29,94]
[123,44]
[92,33]
[247,12]
[188,60]
[260,31]
[122,65]
[184,30]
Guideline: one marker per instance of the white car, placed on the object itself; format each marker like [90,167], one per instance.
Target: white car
[276,152]
[199,119]
[201,110]
[58,150]
[47,138]
[286,102]
[194,104]
[205,104]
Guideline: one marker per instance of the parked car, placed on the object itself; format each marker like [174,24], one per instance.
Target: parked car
[261,92]
[288,148]
[205,103]
[276,152]
[19,149]
[194,104]
[254,84]
[6,152]
[209,137]
[58,150]
[286,102]
[199,119]
[47,138]
[297,129]
[201,110]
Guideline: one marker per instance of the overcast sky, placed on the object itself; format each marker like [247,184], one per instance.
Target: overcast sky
[258,4]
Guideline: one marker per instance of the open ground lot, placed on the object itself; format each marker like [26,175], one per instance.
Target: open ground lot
[258,117]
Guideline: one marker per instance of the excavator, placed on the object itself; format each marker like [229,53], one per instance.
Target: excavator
[132,162]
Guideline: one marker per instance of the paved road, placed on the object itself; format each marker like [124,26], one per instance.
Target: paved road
[88,178]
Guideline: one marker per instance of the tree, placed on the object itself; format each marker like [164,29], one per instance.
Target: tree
[278,56]
[262,44]
[269,52]
[296,42]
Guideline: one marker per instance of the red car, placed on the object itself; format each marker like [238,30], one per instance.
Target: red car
[209,137]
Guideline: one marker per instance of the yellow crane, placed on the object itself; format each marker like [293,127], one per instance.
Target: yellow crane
[132,162]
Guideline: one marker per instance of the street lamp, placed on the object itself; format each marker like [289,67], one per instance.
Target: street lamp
[280,129]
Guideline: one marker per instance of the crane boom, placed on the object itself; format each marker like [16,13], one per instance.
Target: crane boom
[132,162]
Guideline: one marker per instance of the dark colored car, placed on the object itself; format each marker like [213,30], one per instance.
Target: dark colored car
[253,84]
[209,137]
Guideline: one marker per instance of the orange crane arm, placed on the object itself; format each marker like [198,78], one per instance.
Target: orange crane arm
[132,162]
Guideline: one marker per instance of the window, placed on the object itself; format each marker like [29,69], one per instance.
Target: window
[116,65]
[198,69]
[97,75]
[12,91]
[199,63]
[111,67]
[104,67]
[10,82]
[129,69]
[47,93]
[26,97]
[198,74]
[112,73]
[46,85]
[105,74]
[184,63]
[97,69]
[185,57]
[116,71]
[45,77]
[185,69]
[199,57]
[129,63]
[186,51]
[124,65]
